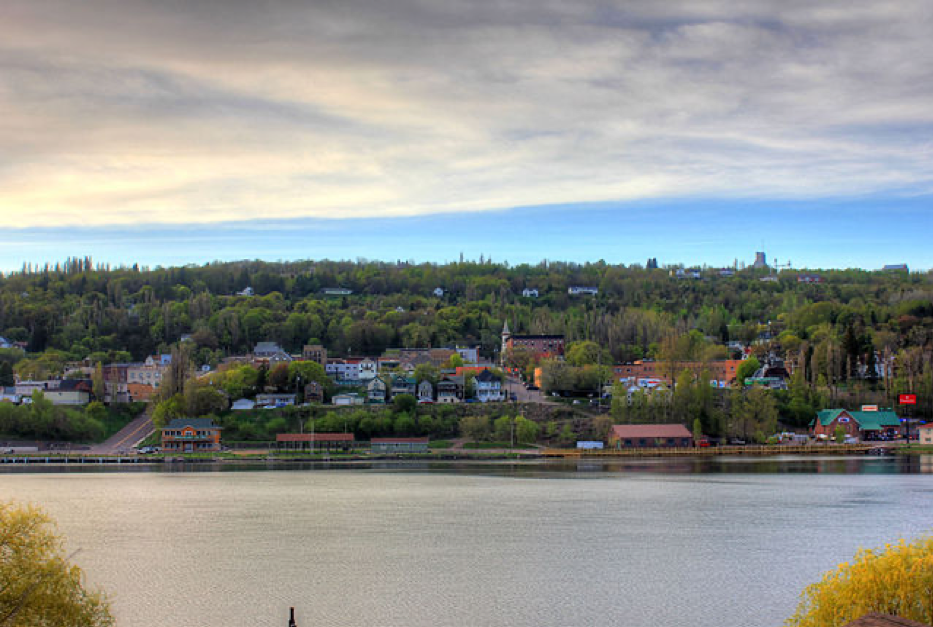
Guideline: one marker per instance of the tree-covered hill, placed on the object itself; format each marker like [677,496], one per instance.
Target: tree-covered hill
[81,310]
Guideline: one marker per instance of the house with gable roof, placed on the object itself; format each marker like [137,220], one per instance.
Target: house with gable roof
[450,389]
[425,392]
[865,425]
[487,387]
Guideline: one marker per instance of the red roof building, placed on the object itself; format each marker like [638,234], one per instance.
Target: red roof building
[314,441]
[650,436]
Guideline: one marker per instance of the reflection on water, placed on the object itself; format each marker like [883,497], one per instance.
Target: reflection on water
[781,464]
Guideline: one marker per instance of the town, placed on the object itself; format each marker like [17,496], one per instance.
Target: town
[816,374]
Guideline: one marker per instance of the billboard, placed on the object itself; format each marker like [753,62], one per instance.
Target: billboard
[907,399]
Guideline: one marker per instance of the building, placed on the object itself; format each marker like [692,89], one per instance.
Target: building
[865,425]
[487,387]
[246,291]
[243,404]
[336,291]
[450,390]
[346,399]
[579,290]
[190,435]
[425,392]
[540,346]
[69,392]
[403,385]
[149,372]
[809,278]
[439,292]
[275,400]
[116,389]
[271,353]
[925,434]
[650,436]
[376,390]
[399,445]
[469,354]
[314,393]
[760,260]
[314,352]
[529,293]
[895,267]
[315,441]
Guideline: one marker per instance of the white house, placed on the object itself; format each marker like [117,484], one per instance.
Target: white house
[528,293]
[439,292]
[243,404]
[346,399]
[248,291]
[487,387]
[578,290]
[367,369]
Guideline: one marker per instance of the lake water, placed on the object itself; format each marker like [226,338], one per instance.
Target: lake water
[717,543]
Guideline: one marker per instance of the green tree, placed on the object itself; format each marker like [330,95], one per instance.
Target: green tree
[405,403]
[502,428]
[746,369]
[427,372]
[582,353]
[896,579]
[475,428]
[97,383]
[840,434]
[38,585]
[6,374]
[96,411]
[697,430]
[526,431]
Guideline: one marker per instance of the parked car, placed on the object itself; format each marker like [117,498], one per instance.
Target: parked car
[531,386]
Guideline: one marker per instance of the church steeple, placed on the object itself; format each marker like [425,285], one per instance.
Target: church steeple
[506,335]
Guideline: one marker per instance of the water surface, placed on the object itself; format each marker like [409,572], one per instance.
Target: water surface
[726,542]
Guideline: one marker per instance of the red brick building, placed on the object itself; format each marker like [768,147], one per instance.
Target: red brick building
[315,441]
[650,436]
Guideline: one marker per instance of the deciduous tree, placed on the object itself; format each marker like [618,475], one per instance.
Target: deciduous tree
[38,584]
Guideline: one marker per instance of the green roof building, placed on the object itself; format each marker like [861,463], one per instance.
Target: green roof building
[867,425]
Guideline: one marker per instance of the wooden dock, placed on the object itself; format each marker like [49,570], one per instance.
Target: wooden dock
[710,451]
[76,459]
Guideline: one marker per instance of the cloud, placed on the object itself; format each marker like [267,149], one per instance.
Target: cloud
[125,112]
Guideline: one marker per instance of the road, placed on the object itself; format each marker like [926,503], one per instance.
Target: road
[513,385]
[127,437]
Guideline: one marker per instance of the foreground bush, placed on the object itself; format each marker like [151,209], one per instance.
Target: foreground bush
[38,586]
[895,580]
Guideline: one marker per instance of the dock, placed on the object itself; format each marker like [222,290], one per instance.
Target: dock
[711,451]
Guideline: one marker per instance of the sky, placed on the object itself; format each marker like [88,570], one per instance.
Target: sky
[175,132]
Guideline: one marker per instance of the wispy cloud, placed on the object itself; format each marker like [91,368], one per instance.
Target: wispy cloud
[126,111]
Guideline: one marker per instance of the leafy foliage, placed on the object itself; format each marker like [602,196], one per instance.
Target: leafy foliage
[897,579]
[38,585]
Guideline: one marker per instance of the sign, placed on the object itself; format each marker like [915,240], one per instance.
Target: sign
[907,399]
[869,408]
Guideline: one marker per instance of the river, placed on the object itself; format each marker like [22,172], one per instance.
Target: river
[709,543]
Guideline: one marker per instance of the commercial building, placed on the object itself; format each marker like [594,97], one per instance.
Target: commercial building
[191,435]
